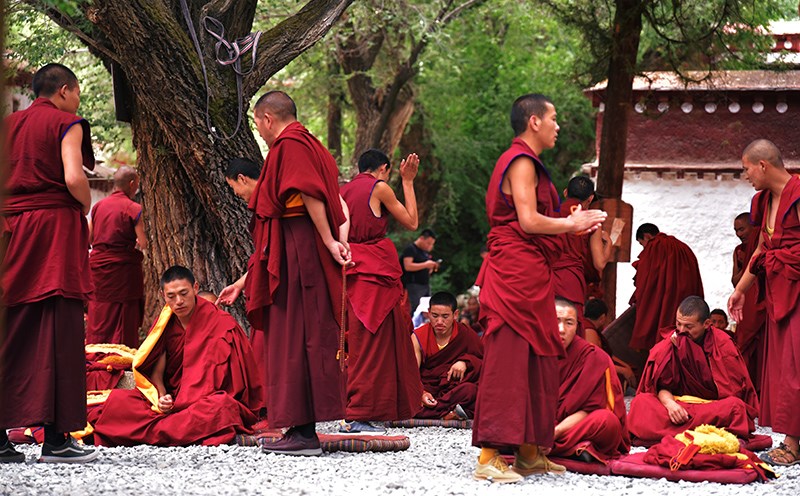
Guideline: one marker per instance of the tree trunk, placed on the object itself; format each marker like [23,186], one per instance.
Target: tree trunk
[334,117]
[190,214]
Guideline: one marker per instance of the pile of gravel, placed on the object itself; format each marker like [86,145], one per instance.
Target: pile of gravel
[439,462]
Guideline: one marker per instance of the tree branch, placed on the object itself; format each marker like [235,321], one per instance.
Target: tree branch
[290,38]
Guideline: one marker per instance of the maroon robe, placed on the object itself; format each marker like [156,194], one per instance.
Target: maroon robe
[212,376]
[521,341]
[713,370]
[382,375]
[116,308]
[589,383]
[779,264]
[45,275]
[569,280]
[666,273]
[464,345]
[294,287]
[750,330]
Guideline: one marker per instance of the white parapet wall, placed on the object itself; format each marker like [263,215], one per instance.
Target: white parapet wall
[700,213]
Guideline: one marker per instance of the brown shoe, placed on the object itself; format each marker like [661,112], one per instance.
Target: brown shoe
[496,470]
[540,465]
[292,443]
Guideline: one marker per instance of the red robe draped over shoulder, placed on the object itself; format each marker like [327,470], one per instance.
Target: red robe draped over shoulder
[296,163]
[521,341]
[778,266]
[589,383]
[382,375]
[116,308]
[666,273]
[709,380]
[211,374]
[464,345]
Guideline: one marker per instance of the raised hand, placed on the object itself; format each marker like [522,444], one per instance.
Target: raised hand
[586,221]
[409,167]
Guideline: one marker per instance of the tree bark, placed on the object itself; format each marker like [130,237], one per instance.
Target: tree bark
[191,215]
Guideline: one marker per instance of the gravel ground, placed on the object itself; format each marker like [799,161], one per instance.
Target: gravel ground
[439,462]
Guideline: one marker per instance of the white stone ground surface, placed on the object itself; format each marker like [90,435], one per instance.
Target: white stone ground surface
[439,463]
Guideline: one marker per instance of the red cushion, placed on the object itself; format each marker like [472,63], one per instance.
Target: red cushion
[634,466]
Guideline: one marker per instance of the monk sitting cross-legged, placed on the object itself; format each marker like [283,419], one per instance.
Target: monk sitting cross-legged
[449,355]
[196,379]
[591,406]
[695,377]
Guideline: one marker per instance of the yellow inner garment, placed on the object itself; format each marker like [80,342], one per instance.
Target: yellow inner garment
[143,384]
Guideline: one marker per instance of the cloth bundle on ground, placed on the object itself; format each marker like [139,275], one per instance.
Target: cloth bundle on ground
[211,374]
[331,443]
[106,365]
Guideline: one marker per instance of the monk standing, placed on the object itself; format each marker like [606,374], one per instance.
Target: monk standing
[196,379]
[694,377]
[521,342]
[382,377]
[569,280]
[294,286]
[116,230]
[777,210]
[46,269]
[449,356]
[591,404]
[750,329]
[666,273]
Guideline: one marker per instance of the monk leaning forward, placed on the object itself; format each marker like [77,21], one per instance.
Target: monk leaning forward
[294,286]
[776,209]
[521,343]
[196,378]
[116,230]
[382,377]
[694,377]
[449,355]
[46,269]
[591,405]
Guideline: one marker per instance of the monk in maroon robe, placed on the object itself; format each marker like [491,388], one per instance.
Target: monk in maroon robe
[294,285]
[196,377]
[591,404]
[46,268]
[666,273]
[521,343]
[750,329]
[382,377]
[569,274]
[449,356]
[777,260]
[116,308]
[694,377]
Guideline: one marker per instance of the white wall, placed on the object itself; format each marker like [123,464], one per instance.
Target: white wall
[700,213]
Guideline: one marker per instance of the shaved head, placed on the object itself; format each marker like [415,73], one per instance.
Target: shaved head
[124,176]
[762,149]
[745,216]
[278,104]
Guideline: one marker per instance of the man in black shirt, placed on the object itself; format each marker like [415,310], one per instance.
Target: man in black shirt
[417,267]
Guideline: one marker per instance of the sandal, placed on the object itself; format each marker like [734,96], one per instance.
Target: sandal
[782,451]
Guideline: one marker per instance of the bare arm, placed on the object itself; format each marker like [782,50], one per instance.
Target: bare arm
[406,215]
[344,229]
[72,158]
[736,301]
[229,294]
[522,181]
[316,210]
[91,230]
[600,246]
[157,377]
[417,349]
[568,423]
[411,266]
[737,274]
[141,237]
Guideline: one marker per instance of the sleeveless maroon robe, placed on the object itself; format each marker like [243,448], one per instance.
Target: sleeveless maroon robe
[465,346]
[116,308]
[569,280]
[212,376]
[382,375]
[45,275]
[589,383]
[666,273]
[294,287]
[521,341]
[779,262]
[712,371]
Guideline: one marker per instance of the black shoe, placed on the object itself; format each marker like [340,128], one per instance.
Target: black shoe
[9,455]
[292,443]
[69,452]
